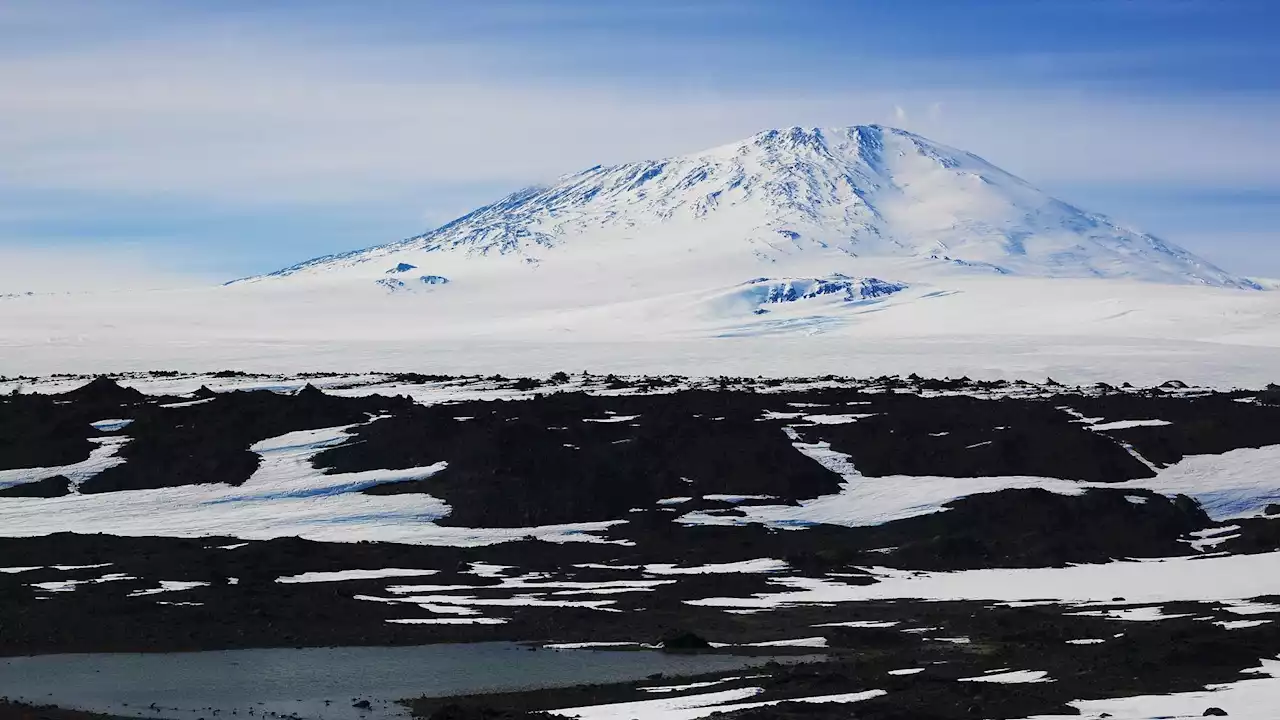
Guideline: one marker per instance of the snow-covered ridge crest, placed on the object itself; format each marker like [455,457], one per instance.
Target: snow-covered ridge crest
[796,196]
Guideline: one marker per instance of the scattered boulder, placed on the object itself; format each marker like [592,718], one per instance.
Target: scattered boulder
[1190,507]
[1215,712]
[50,487]
[1272,509]
[684,641]
[310,391]
[105,390]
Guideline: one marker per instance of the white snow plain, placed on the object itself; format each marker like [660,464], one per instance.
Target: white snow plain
[1074,330]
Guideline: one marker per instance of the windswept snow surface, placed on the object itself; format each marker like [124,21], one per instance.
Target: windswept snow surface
[856,251]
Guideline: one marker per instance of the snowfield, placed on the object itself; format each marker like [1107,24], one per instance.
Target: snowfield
[1073,330]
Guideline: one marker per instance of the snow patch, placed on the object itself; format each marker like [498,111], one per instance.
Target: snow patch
[1013,676]
[1202,578]
[170,586]
[344,575]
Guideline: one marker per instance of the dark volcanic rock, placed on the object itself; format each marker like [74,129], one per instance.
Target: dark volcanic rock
[35,431]
[1205,425]
[459,711]
[971,437]
[209,442]
[547,462]
[575,457]
[1038,528]
[53,430]
[102,390]
[50,487]
[11,710]
[1254,536]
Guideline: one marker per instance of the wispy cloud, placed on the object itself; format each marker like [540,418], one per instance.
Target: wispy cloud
[260,120]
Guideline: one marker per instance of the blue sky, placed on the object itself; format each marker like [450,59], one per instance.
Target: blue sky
[218,139]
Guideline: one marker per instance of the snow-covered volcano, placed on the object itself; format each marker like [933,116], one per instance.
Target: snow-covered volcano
[798,202]
[854,251]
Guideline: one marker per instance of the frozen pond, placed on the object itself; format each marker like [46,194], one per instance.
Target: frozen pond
[322,682]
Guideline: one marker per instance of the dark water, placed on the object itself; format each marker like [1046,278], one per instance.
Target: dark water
[299,681]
